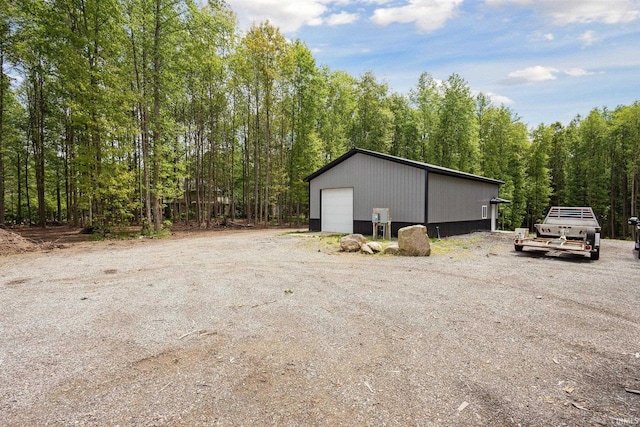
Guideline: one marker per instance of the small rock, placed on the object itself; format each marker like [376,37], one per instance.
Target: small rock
[366,249]
[375,246]
[392,250]
[352,242]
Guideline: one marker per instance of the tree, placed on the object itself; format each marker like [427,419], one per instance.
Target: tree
[372,123]
[261,56]
[338,95]
[503,144]
[626,167]
[156,31]
[595,141]
[538,182]
[303,147]
[205,106]
[558,160]
[427,98]
[34,46]
[6,13]
[455,142]
[406,141]
[93,86]
[14,148]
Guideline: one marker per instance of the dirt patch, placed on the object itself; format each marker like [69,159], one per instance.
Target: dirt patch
[272,328]
[30,240]
[12,243]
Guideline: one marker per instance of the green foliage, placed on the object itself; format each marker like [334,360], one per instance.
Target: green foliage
[503,145]
[558,161]
[338,100]
[625,170]
[406,130]
[426,99]
[134,111]
[371,127]
[538,180]
[455,142]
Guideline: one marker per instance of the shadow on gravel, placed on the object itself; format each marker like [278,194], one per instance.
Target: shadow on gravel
[555,256]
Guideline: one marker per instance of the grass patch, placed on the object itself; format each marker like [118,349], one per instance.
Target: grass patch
[453,245]
[98,234]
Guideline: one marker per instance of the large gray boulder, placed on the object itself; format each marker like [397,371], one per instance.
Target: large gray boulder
[352,242]
[414,241]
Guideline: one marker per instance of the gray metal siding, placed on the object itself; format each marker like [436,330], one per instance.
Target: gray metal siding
[377,183]
[457,199]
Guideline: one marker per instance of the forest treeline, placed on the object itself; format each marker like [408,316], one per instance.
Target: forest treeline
[116,112]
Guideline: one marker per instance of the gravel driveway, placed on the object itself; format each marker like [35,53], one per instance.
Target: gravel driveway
[262,328]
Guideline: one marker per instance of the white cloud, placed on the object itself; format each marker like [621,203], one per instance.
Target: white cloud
[428,15]
[287,15]
[500,99]
[578,72]
[342,18]
[584,11]
[549,37]
[539,74]
[580,11]
[532,75]
[588,38]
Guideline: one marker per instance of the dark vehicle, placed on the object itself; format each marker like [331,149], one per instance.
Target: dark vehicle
[636,223]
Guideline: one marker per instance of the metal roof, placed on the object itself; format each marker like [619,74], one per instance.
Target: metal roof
[498,200]
[426,166]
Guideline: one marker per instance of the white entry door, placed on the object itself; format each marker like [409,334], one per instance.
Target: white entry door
[337,210]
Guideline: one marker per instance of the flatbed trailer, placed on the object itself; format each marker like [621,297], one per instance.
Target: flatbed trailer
[571,229]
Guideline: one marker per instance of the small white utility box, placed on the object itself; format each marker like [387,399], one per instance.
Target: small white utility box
[381,219]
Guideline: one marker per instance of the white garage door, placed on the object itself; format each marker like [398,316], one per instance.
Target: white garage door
[337,210]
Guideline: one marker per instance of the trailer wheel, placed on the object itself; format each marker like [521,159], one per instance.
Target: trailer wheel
[591,240]
[518,248]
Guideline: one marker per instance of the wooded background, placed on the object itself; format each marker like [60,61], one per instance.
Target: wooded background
[117,112]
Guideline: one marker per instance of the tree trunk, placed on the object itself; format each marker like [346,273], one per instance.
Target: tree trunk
[232,200]
[2,200]
[26,186]
[256,166]
[245,165]
[210,181]
[19,179]
[267,160]
[157,126]
[197,174]
[37,139]
[145,168]
[58,197]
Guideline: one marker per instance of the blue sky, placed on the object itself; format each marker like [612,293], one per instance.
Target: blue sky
[547,60]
